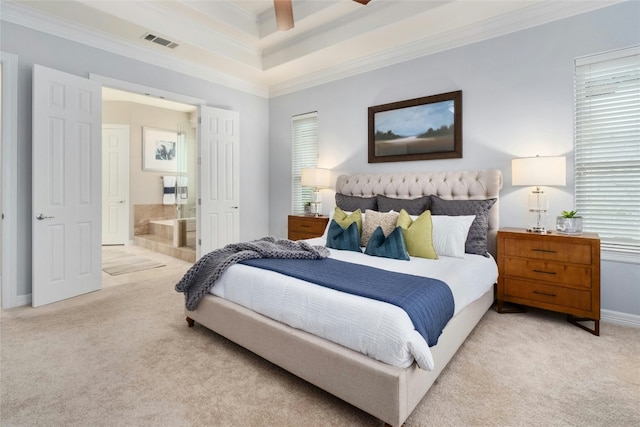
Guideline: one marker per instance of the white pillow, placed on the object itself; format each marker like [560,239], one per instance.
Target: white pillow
[450,234]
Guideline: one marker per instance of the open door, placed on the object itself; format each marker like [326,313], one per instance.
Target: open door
[66,230]
[219,201]
[115,184]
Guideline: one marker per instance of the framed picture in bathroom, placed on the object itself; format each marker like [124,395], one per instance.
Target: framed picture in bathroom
[159,150]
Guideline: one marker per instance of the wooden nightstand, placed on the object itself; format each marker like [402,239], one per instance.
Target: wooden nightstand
[551,271]
[306,227]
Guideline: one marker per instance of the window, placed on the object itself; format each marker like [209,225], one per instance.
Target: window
[607,147]
[304,153]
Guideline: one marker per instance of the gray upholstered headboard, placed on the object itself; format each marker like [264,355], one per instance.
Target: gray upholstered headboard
[461,185]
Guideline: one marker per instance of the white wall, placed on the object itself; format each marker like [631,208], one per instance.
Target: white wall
[33,47]
[517,101]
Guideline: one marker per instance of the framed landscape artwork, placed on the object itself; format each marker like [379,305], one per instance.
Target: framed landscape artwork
[159,150]
[424,128]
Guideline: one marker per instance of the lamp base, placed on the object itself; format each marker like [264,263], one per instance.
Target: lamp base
[316,208]
[538,230]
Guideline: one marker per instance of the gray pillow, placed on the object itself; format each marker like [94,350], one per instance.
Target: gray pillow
[412,206]
[477,238]
[351,203]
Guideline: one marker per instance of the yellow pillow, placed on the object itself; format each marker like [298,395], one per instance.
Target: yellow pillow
[418,234]
[345,220]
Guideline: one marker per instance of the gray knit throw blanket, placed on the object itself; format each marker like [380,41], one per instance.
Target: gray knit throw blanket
[202,276]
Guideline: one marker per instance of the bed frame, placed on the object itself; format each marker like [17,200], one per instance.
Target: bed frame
[384,391]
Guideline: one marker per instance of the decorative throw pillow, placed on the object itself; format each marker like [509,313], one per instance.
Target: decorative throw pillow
[391,246]
[450,234]
[346,239]
[351,203]
[412,206]
[373,220]
[344,219]
[476,242]
[417,234]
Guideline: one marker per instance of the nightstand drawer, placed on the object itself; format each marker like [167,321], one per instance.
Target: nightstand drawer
[564,274]
[306,227]
[547,294]
[547,249]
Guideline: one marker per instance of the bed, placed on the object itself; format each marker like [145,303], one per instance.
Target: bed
[383,390]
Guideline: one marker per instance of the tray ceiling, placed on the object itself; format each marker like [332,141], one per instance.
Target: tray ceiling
[236,43]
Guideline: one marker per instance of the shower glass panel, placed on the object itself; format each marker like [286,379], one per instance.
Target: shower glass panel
[186,181]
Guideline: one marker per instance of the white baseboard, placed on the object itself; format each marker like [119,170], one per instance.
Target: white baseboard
[620,318]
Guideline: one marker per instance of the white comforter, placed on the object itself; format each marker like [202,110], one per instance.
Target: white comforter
[380,330]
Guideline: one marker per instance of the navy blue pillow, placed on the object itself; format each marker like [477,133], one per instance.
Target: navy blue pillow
[391,246]
[346,239]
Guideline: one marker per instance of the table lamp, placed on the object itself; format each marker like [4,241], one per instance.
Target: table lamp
[316,178]
[536,172]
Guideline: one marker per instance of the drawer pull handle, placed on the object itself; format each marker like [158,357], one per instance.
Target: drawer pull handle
[544,293]
[545,251]
[544,272]
[305,226]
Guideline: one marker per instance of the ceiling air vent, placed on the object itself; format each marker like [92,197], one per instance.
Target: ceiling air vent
[159,40]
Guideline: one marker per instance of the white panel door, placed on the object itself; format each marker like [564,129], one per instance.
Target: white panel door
[66,254]
[218,219]
[115,184]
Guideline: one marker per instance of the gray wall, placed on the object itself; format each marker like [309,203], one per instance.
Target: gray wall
[33,47]
[517,101]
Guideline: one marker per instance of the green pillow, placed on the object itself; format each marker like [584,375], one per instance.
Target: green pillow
[344,220]
[391,246]
[346,239]
[418,234]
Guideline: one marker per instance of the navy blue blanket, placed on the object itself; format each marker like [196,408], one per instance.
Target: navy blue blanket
[428,302]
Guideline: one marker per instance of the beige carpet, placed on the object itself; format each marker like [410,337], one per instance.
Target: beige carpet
[118,261]
[124,356]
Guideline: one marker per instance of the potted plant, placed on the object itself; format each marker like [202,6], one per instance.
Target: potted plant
[569,222]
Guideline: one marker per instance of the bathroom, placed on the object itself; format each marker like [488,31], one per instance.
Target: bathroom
[157,204]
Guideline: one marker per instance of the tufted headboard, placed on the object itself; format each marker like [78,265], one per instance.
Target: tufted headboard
[461,185]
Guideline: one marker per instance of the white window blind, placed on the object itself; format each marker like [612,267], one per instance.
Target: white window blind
[304,153]
[607,147]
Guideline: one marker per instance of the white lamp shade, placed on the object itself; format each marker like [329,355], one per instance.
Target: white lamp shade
[315,177]
[537,171]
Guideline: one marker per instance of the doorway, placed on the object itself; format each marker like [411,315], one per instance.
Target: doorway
[161,202]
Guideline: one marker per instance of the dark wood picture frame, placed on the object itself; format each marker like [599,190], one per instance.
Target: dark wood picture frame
[424,128]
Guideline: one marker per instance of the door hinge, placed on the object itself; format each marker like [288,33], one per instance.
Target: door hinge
[199,120]
[199,242]
[199,201]
[199,160]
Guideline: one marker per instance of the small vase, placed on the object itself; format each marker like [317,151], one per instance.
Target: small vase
[569,225]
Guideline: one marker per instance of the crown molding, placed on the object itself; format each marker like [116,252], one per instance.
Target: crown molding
[27,17]
[534,15]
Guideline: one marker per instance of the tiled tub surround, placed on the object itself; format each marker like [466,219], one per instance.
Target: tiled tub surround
[161,232]
[142,214]
[174,230]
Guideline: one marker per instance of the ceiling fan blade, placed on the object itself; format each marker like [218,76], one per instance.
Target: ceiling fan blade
[364,2]
[284,14]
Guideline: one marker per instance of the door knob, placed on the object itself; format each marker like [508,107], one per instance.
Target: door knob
[121,201]
[42,216]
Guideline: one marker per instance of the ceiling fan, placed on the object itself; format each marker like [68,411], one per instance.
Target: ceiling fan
[284,13]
